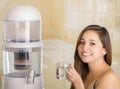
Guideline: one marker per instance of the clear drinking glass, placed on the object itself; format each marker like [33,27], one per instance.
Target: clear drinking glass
[61,70]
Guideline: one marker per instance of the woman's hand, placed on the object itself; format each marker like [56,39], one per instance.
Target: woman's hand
[75,78]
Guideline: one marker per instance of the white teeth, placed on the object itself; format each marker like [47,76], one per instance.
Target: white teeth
[86,54]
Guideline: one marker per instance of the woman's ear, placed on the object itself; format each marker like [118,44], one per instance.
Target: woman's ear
[104,51]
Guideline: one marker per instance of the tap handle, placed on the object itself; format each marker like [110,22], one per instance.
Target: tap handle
[30,76]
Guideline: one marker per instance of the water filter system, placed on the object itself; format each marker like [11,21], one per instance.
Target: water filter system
[22,48]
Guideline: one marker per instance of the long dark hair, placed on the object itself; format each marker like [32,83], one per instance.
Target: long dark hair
[81,67]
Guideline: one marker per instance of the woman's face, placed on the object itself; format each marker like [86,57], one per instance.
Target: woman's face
[90,47]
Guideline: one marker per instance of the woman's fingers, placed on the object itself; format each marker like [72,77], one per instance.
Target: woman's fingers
[71,74]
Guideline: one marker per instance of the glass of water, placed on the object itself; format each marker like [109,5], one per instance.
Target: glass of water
[61,70]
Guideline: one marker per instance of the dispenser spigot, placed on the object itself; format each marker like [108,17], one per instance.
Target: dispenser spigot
[30,77]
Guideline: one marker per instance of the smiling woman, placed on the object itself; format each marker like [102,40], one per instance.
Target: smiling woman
[93,58]
[88,47]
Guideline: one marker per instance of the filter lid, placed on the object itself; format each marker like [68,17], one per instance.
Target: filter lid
[22,13]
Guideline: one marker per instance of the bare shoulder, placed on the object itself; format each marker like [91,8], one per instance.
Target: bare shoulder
[111,75]
[109,80]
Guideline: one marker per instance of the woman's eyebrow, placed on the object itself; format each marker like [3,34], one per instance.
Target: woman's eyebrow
[93,40]
[82,39]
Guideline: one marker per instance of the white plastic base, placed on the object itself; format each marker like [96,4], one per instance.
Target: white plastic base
[21,83]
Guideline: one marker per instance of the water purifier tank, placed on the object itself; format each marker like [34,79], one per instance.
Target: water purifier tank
[22,46]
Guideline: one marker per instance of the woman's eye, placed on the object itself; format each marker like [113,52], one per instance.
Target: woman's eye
[82,43]
[92,43]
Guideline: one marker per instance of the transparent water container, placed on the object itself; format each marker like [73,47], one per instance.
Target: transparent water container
[22,48]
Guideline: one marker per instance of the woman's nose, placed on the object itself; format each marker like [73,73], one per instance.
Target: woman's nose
[85,47]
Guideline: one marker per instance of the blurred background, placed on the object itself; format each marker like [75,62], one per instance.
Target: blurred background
[62,21]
